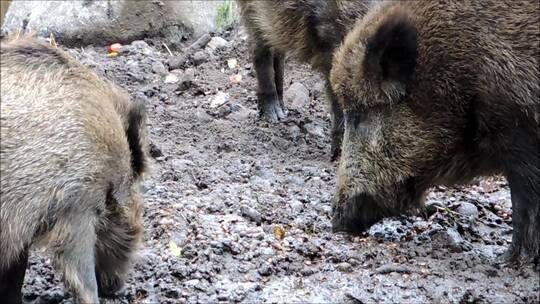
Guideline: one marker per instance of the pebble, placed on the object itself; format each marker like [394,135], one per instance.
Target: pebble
[188,79]
[468,210]
[159,68]
[251,214]
[176,62]
[297,95]
[345,267]
[217,43]
[448,239]
[315,130]
[200,57]
[220,99]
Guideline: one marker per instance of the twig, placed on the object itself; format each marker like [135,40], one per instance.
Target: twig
[169,50]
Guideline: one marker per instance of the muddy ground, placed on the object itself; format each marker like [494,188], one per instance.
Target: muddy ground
[238,209]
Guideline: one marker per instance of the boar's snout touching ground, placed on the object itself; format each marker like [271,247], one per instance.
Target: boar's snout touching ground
[73,152]
[438,93]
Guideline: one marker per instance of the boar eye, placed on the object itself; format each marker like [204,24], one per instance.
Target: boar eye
[354,118]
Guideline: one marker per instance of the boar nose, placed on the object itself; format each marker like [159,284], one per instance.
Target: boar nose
[356,214]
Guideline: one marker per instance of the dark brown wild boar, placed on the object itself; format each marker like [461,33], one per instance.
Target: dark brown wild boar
[439,92]
[309,30]
[73,152]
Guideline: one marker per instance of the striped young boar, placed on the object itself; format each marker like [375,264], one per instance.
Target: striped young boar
[439,92]
[73,152]
[309,30]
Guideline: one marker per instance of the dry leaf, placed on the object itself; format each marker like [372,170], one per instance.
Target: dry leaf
[175,249]
[279,232]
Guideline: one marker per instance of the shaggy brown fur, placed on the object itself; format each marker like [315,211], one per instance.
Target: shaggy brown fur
[4,5]
[73,152]
[309,30]
[438,92]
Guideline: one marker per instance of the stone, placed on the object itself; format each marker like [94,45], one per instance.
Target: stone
[200,57]
[467,210]
[297,95]
[76,23]
[159,68]
[217,43]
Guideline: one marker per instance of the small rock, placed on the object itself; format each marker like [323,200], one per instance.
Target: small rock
[203,116]
[171,78]
[265,270]
[220,99]
[345,267]
[232,63]
[468,210]
[251,214]
[296,206]
[235,78]
[155,151]
[176,62]
[140,44]
[314,129]
[188,79]
[241,113]
[298,95]
[448,239]
[201,42]
[200,57]
[217,43]
[159,68]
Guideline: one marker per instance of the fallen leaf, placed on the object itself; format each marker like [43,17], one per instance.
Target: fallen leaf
[279,232]
[235,78]
[175,249]
[232,63]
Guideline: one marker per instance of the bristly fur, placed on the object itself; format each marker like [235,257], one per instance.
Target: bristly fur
[73,150]
[439,93]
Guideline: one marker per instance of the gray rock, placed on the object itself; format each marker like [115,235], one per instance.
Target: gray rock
[200,57]
[159,68]
[296,206]
[187,79]
[217,43]
[241,113]
[297,95]
[201,42]
[176,62]
[468,210]
[448,239]
[203,116]
[315,130]
[251,214]
[100,22]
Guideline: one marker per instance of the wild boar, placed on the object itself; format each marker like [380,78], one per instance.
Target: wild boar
[439,92]
[309,30]
[73,152]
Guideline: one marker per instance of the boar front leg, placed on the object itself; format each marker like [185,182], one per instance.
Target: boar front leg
[12,278]
[270,106]
[337,123]
[525,216]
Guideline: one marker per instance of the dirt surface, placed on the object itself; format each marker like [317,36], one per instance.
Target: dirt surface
[238,209]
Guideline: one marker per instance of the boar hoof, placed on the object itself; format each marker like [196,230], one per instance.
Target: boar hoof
[272,111]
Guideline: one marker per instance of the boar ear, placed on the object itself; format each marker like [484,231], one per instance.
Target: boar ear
[391,54]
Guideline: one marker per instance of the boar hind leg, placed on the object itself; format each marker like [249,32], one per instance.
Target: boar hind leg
[279,71]
[12,278]
[525,194]
[269,102]
[119,232]
[74,241]
[337,123]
